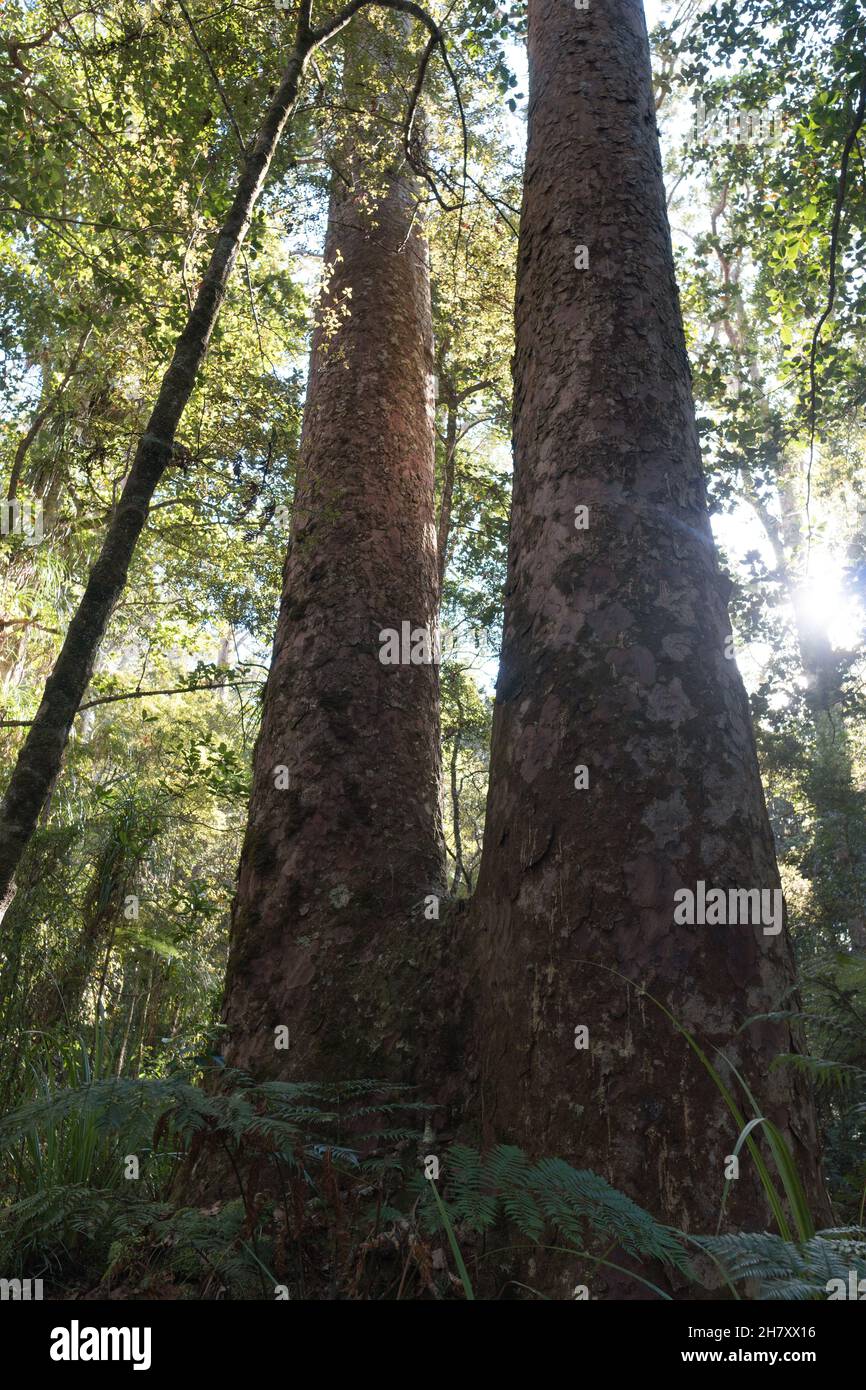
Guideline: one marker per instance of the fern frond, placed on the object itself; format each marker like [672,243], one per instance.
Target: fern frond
[786,1269]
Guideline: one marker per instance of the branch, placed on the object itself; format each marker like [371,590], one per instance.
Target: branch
[253,307]
[841,190]
[135,695]
[421,167]
[15,46]
[436,40]
[28,622]
[213,72]
[497,204]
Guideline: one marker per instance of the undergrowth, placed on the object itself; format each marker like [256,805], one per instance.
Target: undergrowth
[321,1193]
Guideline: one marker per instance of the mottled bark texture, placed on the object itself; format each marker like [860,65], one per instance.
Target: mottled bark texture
[42,753]
[329,932]
[614,658]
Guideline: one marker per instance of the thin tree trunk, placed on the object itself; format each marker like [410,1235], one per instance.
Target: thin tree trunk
[447,500]
[453,435]
[41,755]
[41,416]
[819,662]
[831,784]
[130,993]
[66,995]
[459,867]
[614,659]
[344,841]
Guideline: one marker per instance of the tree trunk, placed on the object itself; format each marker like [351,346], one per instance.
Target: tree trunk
[446,504]
[344,846]
[126,1007]
[47,404]
[614,659]
[41,755]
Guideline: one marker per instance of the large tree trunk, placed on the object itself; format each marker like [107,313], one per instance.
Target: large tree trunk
[343,849]
[614,657]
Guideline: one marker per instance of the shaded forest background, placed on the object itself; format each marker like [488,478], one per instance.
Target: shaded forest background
[121,130]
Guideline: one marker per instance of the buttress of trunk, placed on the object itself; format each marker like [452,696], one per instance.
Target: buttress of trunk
[614,660]
[343,852]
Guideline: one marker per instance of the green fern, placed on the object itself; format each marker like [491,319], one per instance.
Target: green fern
[551,1196]
[64,1201]
[782,1269]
